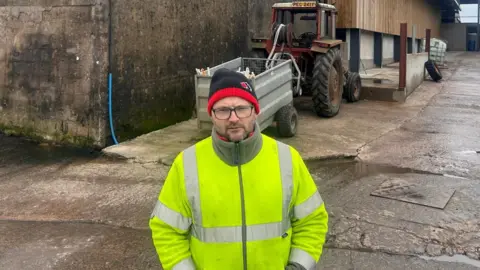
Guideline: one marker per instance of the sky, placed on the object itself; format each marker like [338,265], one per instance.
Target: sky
[468,13]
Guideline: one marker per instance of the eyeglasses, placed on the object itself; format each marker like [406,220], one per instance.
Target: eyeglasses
[225,113]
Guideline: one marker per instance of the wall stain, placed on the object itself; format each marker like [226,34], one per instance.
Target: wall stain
[155,57]
[50,73]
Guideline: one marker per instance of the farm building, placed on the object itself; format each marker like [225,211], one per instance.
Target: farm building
[85,71]
[463,35]
[372,27]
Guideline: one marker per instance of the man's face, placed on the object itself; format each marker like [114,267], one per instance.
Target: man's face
[236,127]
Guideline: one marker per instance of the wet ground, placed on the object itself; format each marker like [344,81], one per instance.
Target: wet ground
[69,209]
[52,215]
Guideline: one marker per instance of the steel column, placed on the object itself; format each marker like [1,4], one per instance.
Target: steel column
[355,50]
[403,56]
[409,45]
[396,48]
[378,49]
[427,42]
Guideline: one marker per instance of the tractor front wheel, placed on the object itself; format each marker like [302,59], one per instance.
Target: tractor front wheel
[327,84]
[353,87]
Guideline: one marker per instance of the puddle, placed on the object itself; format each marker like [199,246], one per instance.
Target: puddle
[456,259]
[337,174]
[358,169]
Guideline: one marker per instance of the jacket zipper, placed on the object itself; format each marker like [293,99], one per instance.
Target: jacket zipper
[242,203]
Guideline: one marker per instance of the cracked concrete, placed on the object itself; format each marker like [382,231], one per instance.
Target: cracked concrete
[341,259]
[378,224]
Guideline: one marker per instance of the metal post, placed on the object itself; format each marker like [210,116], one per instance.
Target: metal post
[334,25]
[403,56]
[319,25]
[427,42]
[378,49]
[355,50]
[478,26]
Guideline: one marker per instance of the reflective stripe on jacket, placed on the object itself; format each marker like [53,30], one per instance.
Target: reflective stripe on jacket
[259,215]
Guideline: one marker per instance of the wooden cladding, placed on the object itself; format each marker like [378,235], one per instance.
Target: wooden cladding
[385,16]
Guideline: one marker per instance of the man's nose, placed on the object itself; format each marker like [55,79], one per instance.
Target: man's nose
[233,117]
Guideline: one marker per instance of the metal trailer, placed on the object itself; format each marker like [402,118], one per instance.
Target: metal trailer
[273,88]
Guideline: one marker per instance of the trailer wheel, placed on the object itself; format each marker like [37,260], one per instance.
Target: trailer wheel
[327,85]
[287,121]
[433,70]
[353,87]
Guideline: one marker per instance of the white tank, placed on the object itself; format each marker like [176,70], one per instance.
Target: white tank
[438,50]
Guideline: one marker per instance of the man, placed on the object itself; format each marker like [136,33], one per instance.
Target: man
[238,199]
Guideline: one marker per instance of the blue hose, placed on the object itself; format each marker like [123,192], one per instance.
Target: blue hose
[112,131]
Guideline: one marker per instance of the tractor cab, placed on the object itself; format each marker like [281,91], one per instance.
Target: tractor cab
[305,22]
[300,27]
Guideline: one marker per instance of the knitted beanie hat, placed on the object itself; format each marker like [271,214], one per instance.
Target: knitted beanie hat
[229,83]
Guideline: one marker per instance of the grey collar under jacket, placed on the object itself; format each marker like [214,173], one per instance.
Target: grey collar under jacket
[247,149]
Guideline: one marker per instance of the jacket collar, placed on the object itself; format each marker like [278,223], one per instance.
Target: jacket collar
[238,153]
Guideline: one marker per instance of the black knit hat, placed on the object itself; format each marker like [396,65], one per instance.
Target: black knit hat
[228,83]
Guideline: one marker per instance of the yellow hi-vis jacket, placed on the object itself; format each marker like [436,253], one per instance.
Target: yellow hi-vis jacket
[262,214]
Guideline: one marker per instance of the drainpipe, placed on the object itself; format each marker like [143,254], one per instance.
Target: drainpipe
[112,130]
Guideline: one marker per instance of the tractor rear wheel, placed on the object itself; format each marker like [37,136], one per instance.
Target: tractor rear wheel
[327,84]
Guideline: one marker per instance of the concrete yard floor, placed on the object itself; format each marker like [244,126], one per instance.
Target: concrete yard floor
[317,138]
[69,209]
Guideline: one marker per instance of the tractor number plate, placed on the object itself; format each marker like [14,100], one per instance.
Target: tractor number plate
[304,4]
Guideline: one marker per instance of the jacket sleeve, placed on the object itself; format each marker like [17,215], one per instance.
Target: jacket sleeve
[170,221]
[310,218]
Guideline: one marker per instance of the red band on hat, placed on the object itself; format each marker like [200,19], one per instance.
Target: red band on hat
[232,92]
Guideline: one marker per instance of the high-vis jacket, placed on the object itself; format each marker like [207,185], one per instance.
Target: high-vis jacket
[248,205]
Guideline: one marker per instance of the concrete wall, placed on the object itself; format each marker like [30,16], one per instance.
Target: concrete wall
[415,71]
[387,48]
[53,58]
[456,36]
[366,49]
[260,13]
[157,46]
[54,62]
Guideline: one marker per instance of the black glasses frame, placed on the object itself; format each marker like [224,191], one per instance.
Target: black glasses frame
[231,110]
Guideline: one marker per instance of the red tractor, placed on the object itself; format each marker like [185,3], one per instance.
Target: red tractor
[305,31]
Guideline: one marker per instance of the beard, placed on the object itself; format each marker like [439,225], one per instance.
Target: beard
[235,132]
